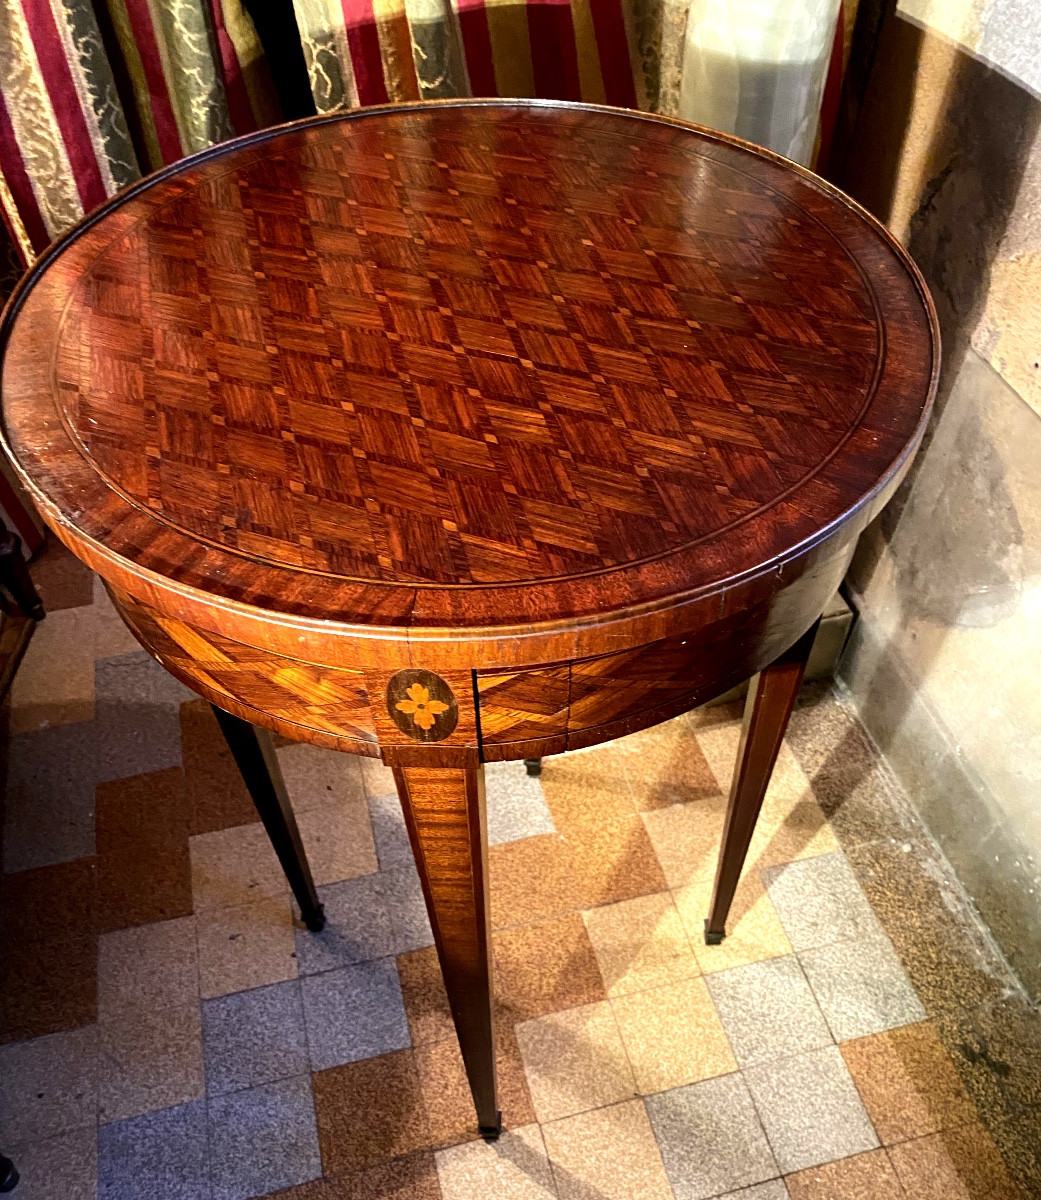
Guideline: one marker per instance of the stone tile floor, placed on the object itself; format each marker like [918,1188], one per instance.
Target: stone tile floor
[168,1031]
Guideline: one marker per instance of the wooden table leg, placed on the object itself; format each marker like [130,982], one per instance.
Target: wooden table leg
[445,813]
[255,757]
[771,697]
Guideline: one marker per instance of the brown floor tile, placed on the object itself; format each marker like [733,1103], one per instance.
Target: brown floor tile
[586,788]
[423,991]
[56,903]
[217,796]
[863,1177]
[614,860]
[956,1164]
[413,1177]
[60,578]
[369,1111]
[665,765]
[532,879]
[144,872]
[546,967]
[446,1092]
[909,1086]
[55,682]
[47,986]
[673,1036]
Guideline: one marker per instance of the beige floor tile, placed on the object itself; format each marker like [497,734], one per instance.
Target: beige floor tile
[337,835]
[55,682]
[313,774]
[673,1036]
[513,1168]
[377,779]
[686,839]
[148,1061]
[791,824]
[575,1060]
[234,866]
[640,944]
[665,765]
[245,946]
[111,635]
[754,930]
[607,1154]
[147,967]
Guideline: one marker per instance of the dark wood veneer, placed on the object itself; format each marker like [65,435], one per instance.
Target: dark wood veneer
[567,416]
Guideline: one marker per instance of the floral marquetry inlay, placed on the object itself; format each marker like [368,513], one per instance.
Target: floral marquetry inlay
[422,705]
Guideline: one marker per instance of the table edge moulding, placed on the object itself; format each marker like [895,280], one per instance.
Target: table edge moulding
[441,667]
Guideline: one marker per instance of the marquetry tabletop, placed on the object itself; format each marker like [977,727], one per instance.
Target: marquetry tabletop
[476,365]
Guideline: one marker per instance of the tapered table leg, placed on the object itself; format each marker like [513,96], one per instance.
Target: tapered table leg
[771,697]
[8,1175]
[256,759]
[445,813]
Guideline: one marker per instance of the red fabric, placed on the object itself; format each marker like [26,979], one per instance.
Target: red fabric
[366,55]
[832,92]
[554,59]
[612,45]
[477,46]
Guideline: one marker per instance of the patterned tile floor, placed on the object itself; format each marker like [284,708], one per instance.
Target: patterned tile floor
[170,1032]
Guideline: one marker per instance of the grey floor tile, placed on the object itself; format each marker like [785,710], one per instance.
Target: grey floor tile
[59,1168]
[49,1085]
[773,1189]
[137,726]
[403,895]
[393,848]
[820,901]
[516,803]
[357,927]
[354,1013]
[263,1139]
[254,1037]
[767,1010]
[810,1109]
[163,1154]
[149,1061]
[861,987]
[51,776]
[710,1138]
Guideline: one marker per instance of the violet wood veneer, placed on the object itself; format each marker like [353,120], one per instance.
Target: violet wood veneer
[461,432]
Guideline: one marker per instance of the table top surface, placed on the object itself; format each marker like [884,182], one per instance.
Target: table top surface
[467,365]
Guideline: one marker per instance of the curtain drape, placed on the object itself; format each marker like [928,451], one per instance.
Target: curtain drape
[94,93]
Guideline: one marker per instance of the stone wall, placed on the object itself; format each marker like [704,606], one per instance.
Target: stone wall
[944,660]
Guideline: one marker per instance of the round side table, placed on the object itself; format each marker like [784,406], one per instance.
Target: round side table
[462,432]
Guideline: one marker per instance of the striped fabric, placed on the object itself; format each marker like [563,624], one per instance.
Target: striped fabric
[76,125]
[374,51]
